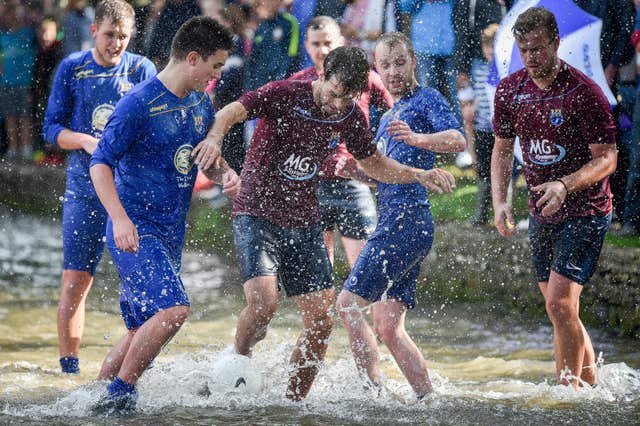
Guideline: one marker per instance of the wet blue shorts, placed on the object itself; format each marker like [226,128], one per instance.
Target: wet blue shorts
[297,256]
[150,279]
[389,264]
[83,230]
[570,248]
[347,205]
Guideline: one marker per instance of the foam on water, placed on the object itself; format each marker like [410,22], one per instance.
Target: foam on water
[339,392]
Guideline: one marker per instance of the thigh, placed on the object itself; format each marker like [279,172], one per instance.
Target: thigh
[578,247]
[83,231]
[256,247]
[150,279]
[305,265]
[390,261]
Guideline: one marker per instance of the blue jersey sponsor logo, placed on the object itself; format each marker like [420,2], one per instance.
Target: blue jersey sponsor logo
[182,159]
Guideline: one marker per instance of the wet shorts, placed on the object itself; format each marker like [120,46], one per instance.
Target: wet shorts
[297,256]
[389,264]
[347,205]
[570,248]
[150,279]
[83,229]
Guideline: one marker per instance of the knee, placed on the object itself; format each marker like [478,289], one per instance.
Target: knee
[179,315]
[262,310]
[348,309]
[560,310]
[388,333]
[322,326]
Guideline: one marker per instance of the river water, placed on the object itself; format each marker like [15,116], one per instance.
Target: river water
[488,366]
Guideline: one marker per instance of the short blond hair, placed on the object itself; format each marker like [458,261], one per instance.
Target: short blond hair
[488,35]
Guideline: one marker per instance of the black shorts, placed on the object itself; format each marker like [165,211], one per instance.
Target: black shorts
[297,256]
[570,248]
[347,205]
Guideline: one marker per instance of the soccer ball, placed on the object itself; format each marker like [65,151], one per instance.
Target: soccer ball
[234,373]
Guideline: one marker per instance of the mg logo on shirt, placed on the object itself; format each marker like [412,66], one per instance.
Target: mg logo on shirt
[545,153]
[297,167]
[182,159]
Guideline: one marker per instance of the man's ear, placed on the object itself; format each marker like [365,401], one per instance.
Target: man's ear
[192,58]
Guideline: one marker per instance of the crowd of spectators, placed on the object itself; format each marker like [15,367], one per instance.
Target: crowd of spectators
[450,38]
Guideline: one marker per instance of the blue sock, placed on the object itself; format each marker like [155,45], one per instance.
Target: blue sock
[70,364]
[121,389]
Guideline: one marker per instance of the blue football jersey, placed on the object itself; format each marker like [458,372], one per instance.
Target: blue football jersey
[425,110]
[148,142]
[83,96]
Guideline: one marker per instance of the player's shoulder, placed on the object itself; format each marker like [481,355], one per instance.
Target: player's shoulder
[309,73]
[77,61]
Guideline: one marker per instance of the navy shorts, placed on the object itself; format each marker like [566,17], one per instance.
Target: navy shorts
[150,279]
[389,264]
[297,256]
[83,231]
[570,248]
[347,205]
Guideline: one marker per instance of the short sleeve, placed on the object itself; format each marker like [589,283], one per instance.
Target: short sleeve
[358,137]
[596,119]
[502,123]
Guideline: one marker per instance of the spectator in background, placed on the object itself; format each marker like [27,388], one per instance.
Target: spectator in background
[615,51]
[147,18]
[631,215]
[434,39]
[174,14]
[274,54]
[470,19]
[77,22]
[49,54]
[480,135]
[363,22]
[18,47]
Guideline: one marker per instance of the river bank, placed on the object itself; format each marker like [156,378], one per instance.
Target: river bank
[467,263]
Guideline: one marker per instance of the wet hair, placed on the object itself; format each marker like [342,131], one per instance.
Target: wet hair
[488,35]
[350,66]
[118,11]
[202,35]
[395,38]
[322,22]
[535,18]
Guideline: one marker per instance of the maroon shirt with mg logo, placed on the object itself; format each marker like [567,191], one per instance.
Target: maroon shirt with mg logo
[555,127]
[280,174]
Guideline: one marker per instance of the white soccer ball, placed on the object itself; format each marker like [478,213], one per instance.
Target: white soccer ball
[234,373]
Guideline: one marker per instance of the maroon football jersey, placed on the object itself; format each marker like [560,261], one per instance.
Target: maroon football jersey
[555,127]
[290,142]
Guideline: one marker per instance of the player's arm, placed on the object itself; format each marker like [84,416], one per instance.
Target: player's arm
[208,152]
[501,168]
[58,114]
[225,176]
[349,168]
[451,140]
[125,233]
[385,169]
[602,164]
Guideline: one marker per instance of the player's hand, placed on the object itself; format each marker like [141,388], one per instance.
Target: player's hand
[208,152]
[436,180]
[89,144]
[398,129]
[125,235]
[230,183]
[503,220]
[553,195]
[346,167]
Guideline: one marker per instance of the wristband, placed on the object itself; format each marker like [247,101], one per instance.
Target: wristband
[566,190]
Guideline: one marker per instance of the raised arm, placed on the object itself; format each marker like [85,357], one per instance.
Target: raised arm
[385,169]
[208,152]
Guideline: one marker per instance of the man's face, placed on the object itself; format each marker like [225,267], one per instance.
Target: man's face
[396,68]
[322,41]
[111,40]
[205,71]
[538,52]
[332,97]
